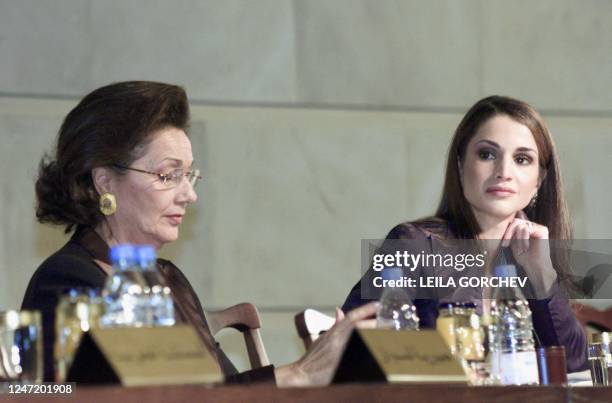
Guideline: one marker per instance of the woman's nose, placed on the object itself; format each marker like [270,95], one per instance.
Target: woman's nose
[192,195]
[187,192]
[503,168]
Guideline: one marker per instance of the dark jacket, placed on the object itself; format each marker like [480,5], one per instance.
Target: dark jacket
[553,319]
[73,266]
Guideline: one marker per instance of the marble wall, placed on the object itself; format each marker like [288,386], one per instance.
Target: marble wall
[317,124]
[387,53]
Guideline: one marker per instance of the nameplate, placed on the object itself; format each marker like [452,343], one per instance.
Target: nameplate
[398,356]
[144,356]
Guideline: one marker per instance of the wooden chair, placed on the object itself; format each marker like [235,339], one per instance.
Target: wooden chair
[244,318]
[310,324]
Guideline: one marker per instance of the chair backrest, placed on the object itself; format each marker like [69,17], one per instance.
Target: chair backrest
[310,323]
[244,318]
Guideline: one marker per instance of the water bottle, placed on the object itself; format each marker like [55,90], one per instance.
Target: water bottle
[511,344]
[124,290]
[396,309]
[157,306]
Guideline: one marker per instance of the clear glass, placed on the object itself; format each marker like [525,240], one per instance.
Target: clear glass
[396,311]
[21,346]
[76,313]
[469,337]
[445,322]
[470,348]
[598,355]
[445,325]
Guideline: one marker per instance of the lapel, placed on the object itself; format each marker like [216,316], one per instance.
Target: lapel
[97,248]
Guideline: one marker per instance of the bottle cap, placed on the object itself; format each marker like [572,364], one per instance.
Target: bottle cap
[391,273]
[146,255]
[122,255]
[505,270]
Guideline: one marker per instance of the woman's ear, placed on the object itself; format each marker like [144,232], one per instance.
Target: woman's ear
[460,170]
[102,179]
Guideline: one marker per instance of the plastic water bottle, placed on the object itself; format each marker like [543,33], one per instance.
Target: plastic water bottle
[396,311]
[511,344]
[124,290]
[157,306]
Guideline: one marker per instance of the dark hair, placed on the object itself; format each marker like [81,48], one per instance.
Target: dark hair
[111,125]
[550,209]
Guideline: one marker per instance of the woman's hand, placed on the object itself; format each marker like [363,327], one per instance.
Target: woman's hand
[529,244]
[587,314]
[317,366]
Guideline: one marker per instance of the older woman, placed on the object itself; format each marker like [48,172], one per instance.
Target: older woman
[122,173]
[503,183]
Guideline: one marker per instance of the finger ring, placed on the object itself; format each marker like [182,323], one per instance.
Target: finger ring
[529,224]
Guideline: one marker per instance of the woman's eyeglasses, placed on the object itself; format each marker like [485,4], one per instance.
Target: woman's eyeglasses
[172,178]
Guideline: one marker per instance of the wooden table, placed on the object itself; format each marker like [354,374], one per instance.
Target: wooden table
[429,393]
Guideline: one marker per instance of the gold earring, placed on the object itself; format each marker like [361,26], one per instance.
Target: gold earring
[533,201]
[108,204]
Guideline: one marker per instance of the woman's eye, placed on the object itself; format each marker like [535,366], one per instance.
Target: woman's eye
[486,155]
[165,178]
[522,160]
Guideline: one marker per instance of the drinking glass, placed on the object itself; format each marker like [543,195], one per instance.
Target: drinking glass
[598,363]
[21,346]
[470,348]
[77,312]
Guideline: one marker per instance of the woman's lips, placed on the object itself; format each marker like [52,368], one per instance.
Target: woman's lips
[175,219]
[500,191]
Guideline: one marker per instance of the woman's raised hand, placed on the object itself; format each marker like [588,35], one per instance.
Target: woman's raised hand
[530,247]
[317,366]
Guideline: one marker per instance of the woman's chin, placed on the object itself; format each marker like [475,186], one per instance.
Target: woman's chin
[500,211]
[168,235]
[503,214]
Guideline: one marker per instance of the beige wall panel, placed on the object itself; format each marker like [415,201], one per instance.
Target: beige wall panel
[25,243]
[553,54]
[585,147]
[399,53]
[288,196]
[45,46]
[234,50]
